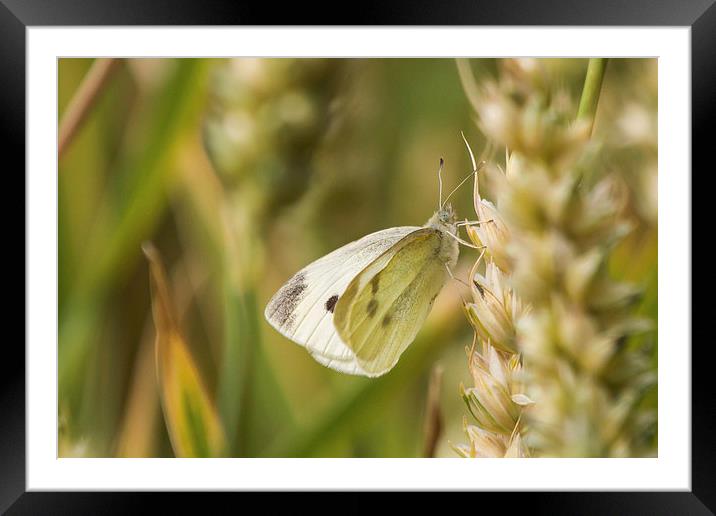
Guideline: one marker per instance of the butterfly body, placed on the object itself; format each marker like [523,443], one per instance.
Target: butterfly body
[358,308]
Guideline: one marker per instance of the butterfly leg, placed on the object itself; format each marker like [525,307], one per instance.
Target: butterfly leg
[455,278]
[459,280]
[473,222]
[464,242]
[467,223]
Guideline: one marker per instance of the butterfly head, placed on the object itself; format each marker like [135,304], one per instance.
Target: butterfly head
[444,219]
[446,214]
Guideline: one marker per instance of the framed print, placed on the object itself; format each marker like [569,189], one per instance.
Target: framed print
[352,258]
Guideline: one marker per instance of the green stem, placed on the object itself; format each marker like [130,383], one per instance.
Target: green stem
[247,383]
[239,341]
[592,88]
[241,335]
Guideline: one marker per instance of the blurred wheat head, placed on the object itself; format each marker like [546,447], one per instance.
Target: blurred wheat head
[555,370]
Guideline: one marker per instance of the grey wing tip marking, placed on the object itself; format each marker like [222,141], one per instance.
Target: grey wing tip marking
[282,306]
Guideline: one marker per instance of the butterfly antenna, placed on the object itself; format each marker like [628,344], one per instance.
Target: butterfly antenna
[475,169]
[440,184]
[458,186]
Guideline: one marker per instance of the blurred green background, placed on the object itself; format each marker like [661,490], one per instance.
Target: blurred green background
[240,172]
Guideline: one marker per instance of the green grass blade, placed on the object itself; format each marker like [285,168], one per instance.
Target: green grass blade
[114,247]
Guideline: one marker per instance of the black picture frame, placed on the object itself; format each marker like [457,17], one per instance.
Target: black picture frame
[17,15]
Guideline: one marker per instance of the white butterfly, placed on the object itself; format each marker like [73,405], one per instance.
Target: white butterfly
[358,308]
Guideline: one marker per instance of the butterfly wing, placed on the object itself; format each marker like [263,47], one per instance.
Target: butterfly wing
[385,305]
[303,309]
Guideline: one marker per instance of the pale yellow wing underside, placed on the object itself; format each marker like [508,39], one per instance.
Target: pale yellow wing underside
[385,305]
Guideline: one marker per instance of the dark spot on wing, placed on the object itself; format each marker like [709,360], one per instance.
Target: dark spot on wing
[479,288]
[287,299]
[372,307]
[386,320]
[331,303]
[374,284]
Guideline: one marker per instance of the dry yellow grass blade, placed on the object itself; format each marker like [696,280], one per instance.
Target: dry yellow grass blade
[433,413]
[137,436]
[189,413]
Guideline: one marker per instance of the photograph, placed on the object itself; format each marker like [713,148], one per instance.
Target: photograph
[263,257]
